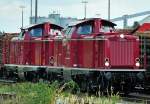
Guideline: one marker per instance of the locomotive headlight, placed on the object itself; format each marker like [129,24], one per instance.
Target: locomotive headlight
[121,35]
[137,62]
[107,62]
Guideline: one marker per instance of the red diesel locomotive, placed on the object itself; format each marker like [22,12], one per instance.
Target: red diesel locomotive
[89,52]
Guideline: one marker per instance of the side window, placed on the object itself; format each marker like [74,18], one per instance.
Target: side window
[84,29]
[37,32]
[55,32]
[106,29]
[21,34]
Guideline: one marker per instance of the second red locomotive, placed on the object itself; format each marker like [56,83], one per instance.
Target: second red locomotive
[89,52]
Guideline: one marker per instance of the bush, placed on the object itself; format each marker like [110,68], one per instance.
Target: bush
[29,93]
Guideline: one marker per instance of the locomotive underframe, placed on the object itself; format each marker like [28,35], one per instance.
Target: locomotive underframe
[88,79]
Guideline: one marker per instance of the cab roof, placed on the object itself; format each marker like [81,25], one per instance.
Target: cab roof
[79,22]
[40,24]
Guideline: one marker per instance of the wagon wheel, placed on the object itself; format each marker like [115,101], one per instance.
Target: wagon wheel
[125,88]
[84,86]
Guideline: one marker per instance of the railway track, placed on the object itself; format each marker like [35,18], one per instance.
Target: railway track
[6,96]
[7,82]
[136,98]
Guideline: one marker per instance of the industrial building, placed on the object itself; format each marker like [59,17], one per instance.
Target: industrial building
[54,18]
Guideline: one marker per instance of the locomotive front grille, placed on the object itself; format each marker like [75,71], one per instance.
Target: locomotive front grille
[121,53]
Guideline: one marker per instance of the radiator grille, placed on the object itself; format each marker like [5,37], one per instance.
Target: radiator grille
[122,53]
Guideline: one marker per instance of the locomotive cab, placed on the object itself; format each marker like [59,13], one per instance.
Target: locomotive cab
[90,27]
[41,31]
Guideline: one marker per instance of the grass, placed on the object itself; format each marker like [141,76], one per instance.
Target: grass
[41,93]
[77,99]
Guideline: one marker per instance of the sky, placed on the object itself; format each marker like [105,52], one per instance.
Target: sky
[10,11]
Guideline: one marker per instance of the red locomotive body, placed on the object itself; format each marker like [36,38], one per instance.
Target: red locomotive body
[95,44]
[89,51]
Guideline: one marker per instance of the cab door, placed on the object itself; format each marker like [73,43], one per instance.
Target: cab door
[83,46]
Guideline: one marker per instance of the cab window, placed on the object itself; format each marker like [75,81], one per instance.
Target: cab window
[84,29]
[36,32]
